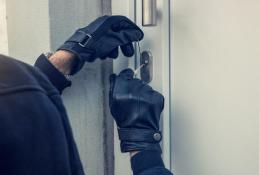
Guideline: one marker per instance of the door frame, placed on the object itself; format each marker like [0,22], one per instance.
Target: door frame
[125,8]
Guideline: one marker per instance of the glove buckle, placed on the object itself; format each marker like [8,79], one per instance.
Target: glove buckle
[85,40]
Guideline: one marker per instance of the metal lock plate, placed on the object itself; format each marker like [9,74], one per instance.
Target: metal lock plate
[146,72]
[149,13]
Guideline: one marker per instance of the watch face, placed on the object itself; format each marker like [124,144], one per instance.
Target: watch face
[68,76]
[48,54]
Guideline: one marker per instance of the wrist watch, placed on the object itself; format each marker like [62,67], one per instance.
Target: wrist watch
[48,55]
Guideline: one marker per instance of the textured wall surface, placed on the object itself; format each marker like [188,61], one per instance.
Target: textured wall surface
[28,28]
[85,100]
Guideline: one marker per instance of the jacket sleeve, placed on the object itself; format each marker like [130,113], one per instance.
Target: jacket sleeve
[148,163]
[53,74]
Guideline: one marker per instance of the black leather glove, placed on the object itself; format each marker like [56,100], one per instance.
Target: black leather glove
[101,39]
[136,108]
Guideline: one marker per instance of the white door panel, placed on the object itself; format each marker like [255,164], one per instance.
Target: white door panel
[215,87]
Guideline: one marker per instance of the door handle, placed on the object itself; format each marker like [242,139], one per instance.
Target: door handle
[149,13]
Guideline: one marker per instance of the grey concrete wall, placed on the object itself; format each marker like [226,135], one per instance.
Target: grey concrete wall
[39,26]
[28,28]
[85,100]
[3,28]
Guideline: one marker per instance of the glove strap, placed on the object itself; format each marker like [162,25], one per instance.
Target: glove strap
[139,135]
[80,37]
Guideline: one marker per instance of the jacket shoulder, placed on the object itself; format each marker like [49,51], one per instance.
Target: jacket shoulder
[14,73]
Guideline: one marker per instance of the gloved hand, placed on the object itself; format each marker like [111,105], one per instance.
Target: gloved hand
[101,39]
[136,108]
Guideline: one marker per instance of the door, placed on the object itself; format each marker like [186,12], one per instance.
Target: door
[156,41]
[215,87]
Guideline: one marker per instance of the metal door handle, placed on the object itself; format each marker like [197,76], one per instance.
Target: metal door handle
[149,13]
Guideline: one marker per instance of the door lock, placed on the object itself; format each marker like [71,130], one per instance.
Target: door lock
[146,71]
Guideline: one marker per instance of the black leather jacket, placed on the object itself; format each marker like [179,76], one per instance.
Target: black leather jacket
[36,138]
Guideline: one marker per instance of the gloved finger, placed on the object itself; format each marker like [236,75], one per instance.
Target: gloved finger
[163,102]
[127,49]
[114,53]
[127,74]
[134,34]
[103,57]
[158,99]
[123,24]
